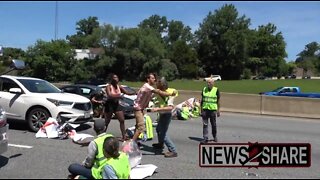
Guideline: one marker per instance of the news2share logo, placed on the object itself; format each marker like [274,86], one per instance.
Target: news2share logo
[255,155]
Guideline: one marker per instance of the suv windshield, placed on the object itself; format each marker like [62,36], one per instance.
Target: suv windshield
[39,86]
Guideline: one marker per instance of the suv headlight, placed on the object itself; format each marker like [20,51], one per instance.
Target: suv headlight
[60,103]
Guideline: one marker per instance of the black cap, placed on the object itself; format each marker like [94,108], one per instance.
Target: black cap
[99,124]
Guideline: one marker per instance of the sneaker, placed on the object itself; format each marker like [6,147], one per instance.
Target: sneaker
[170,154]
[157,146]
[215,139]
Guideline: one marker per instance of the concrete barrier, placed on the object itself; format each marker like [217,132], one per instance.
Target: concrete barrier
[264,105]
[291,106]
[257,104]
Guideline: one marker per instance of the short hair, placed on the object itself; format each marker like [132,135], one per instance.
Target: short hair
[149,75]
[111,146]
[99,125]
[164,82]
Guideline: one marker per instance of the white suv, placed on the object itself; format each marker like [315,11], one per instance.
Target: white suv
[35,100]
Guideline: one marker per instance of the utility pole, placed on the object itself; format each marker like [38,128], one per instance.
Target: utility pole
[56,22]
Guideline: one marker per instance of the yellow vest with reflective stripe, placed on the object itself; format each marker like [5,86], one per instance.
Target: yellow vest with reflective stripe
[100,160]
[149,127]
[209,98]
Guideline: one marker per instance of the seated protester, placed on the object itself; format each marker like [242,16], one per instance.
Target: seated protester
[95,153]
[117,164]
[183,114]
[195,112]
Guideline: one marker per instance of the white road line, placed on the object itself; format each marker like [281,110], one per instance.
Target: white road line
[20,146]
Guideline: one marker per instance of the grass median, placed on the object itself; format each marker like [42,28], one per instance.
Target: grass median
[241,86]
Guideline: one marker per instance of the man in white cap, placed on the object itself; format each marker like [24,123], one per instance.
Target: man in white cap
[210,109]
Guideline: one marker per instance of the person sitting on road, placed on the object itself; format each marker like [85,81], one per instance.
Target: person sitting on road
[95,154]
[117,164]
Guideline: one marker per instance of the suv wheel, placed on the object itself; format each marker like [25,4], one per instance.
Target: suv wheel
[37,117]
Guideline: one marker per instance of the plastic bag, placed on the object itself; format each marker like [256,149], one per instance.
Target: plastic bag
[131,148]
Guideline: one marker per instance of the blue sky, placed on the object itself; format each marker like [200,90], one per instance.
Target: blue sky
[22,23]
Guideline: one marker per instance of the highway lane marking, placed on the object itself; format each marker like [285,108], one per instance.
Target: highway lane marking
[20,146]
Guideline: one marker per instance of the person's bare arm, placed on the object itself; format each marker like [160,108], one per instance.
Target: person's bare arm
[163,93]
[162,109]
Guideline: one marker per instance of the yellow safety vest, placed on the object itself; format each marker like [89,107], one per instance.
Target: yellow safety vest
[149,128]
[185,113]
[100,159]
[209,98]
[163,101]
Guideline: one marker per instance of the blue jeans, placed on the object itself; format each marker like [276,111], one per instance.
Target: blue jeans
[162,129]
[206,115]
[78,169]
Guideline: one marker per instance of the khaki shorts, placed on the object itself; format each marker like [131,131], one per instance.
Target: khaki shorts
[139,121]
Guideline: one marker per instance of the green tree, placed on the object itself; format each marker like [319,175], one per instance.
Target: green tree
[156,23]
[138,52]
[222,43]
[50,60]
[267,51]
[9,54]
[308,59]
[85,36]
[185,59]
[178,31]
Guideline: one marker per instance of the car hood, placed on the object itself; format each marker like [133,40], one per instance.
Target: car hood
[65,97]
[132,97]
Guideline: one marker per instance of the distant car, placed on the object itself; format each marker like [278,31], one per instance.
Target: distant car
[259,78]
[88,90]
[214,77]
[3,131]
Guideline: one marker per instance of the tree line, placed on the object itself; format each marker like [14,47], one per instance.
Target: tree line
[223,44]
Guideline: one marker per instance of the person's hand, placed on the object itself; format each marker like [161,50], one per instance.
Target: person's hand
[173,93]
[154,109]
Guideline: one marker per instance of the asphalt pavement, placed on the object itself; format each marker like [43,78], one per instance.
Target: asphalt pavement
[28,157]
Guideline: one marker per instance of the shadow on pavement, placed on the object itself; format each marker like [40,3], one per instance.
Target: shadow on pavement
[3,161]
[196,139]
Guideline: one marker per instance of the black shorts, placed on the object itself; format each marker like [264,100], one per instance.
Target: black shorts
[112,106]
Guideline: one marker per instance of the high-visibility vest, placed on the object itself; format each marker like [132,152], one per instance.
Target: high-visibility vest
[195,111]
[163,101]
[120,165]
[209,98]
[185,113]
[148,134]
[100,159]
